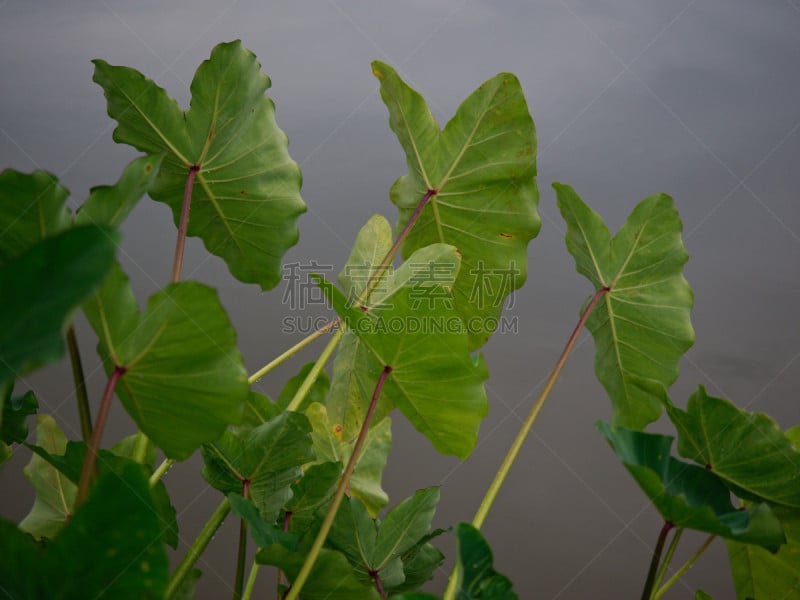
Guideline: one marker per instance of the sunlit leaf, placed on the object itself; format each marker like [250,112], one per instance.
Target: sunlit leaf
[127,447]
[247,190]
[40,291]
[32,207]
[483,168]
[746,450]
[761,574]
[185,380]
[111,204]
[688,495]
[477,579]
[267,457]
[55,493]
[641,326]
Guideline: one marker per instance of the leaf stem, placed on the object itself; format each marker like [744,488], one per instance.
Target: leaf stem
[316,547]
[292,351]
[673,545]
[242,554]
[519,440]
[376,577]
[161,471]
[87,473]
[302,391]
[251,581]
[140,448]
[80,384]
[197,548]
[686,566]
[656,559]
[180,243]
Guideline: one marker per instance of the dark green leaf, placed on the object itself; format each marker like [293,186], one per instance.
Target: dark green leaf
[313,493]
[264,534]
[268,457]
[258,410]
[185,380]
[404,525]
[414,596]
[32,207]
[760,574]
[111,204]
[20,569]
[247,191]
[688,495]
[55,493]
[419,565]
[701,595]
[477,579]
[641,327]
[483,167]
[746,450]
[14,422]
[317,392]
[41,289]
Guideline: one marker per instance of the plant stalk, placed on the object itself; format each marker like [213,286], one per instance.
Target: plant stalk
[242,554]
[162,469]
[292,351]
[656,559]
[519,440]
[673,545]
[87,473]
[180,243]
[196,549]
[251,581]
[686,566]
[302,391]
[305,571]
[140,448]
[80,385]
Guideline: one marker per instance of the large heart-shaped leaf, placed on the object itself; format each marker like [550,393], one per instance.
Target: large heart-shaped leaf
[641,326]
[247,190]
[477,579]
[184,380]
[32,207]
[483,169]
[98,554]
[688,495]
[761,574]
[412,326]
[111,204]
[267,458]
[55,493]
[746,450]
[41,289]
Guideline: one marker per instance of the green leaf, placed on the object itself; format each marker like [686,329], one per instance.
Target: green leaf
[246,196]
[414,596]
[185,380]
[111,204]
[15,413]
[746,450]
[258,410]
[687,495]
[641,326]
[55,493]
[269,457]
[263,533]
[412,327]
[334,443]
[40,291]
[483,167]
[373,243]
[32,207]
[793,435]
[420,564]
[313,494]
[404,525]
[127,448]
[98,554]
[331,577]
[701,595]
[477,579]
[761,574]
[317,392]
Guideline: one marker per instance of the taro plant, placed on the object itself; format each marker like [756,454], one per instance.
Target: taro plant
[416,302]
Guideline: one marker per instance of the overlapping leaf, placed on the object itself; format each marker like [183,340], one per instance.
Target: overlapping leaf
[185,380]
[761,574]
[247,190]
[412,327]
[483,168]
[641,326]
[41,289]
[746,450]
[267,457]
[477,579]
[111,204]
[688,495]
[98,553]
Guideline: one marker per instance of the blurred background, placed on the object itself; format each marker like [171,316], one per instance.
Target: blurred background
[699,99]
